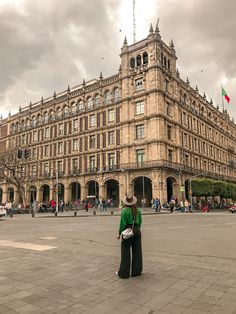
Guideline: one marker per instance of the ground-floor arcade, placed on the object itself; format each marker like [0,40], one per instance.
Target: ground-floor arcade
[146,185]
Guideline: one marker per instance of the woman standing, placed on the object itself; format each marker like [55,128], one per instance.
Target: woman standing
[130,216]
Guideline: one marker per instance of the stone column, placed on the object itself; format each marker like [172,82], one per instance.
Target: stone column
[52,193]
[103,191]
[67,195]
[4,195]
[84,192]
[39,195]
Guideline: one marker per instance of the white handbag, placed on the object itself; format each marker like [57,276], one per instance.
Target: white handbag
[127,233]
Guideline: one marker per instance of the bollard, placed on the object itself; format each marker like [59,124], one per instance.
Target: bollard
[112,212]
[75,213]
[33,214]
[94,213]
[11,215]
[56,214]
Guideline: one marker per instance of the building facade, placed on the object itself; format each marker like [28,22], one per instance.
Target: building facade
[143,131]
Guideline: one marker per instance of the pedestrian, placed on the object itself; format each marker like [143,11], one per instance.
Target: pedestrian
[172,205]
[153,203]
[100,204]
[130,216]
[86,205]
[143,202]
[157,204]
[186,205]
[53,206]
[181,205]
[104,205]
[62,204]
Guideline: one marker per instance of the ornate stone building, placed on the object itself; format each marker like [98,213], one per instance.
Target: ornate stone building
[143,130]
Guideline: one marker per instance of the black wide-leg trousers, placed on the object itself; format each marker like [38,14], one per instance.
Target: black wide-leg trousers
[133,244]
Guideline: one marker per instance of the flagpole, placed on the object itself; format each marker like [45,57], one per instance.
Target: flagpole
[222,98]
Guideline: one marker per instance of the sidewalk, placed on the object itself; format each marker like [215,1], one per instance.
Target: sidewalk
[96,212]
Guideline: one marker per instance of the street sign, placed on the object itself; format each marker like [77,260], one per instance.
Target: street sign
[182,189]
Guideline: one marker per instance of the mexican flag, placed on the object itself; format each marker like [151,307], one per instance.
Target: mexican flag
[224,93]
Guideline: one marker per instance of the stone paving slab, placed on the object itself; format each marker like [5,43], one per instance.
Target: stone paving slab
[78,275]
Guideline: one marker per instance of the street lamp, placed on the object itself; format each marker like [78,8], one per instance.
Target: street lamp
[56,172]
[144,203]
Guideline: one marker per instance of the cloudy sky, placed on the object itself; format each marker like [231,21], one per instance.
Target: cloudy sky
[49,44]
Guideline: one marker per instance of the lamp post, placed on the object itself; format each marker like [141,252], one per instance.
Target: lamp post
[56,172]
[57,190]
[144,203]
[76,192]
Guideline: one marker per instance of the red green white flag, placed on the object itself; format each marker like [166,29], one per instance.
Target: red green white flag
[224,93]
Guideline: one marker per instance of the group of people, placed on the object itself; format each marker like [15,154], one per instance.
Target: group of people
[99,203]
[183,206]
[156,204]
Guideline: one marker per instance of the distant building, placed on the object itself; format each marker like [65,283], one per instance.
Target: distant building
[143,130]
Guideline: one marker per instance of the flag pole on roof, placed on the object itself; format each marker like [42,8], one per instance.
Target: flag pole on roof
[224,96]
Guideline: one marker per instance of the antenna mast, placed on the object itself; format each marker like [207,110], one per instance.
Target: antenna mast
[134,22]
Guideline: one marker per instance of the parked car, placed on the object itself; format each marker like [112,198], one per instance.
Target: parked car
[232,209]
[3,211]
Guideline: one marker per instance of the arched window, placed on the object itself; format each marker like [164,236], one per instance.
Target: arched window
[28,123]
[66,111]
[46,117]
[23,124]
[168,64]
[81,105]
[90,103]
[39,119]
[116,95]
[34,122]
[139,60]
[132,63]
[51,116]
[165,61]
[185,98]
[59,112]
[145,58]
[107,98]
[12,128]
[97,101]
[73,108]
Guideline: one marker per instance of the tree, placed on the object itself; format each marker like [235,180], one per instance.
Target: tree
[220,188]
[12,172]
[202,187]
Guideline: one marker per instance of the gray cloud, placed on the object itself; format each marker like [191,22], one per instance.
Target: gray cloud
[203,32]
[53,44]
[49,44]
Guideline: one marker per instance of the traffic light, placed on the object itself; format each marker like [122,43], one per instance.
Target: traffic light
[59,188]
[19,154]
[27,153]
[55,188]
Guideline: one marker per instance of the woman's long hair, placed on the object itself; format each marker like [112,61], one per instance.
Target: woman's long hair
[134,210]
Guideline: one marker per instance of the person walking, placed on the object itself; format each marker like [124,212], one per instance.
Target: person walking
[130,216]
[157,205]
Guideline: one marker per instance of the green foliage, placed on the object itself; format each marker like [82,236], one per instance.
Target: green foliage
[220,189]
[202,187]
[208,187]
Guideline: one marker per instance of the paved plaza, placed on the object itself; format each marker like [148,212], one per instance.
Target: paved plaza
[67,265]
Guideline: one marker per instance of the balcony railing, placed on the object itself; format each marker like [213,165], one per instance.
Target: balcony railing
[91,170]
[75,172]
[111,168]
